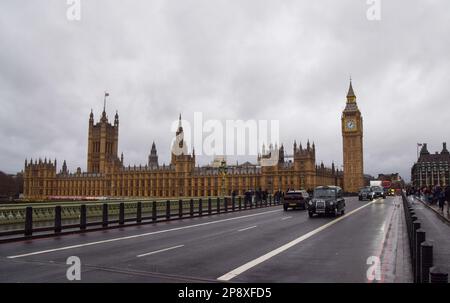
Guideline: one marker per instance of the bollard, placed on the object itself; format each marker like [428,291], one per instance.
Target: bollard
[139,212]
[270,200]
[245,202]
[154,216]
[209,206]
[420,238]
[28,221]
[200,206]
[233,203]
[437,275]
[240,202]
[168,209]
[58,224]
[191,207]
[416,226]
[225,202]
[83,216]
[105,215]
[408,211]
[426,261]
[180,208]
[121,213]
[218,205]
[410,229]
[413,218]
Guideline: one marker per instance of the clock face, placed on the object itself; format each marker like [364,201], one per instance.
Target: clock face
[351,124]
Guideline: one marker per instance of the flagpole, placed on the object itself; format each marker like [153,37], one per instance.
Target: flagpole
[104,103]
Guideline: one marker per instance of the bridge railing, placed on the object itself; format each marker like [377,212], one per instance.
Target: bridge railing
[42,221]
[421,251]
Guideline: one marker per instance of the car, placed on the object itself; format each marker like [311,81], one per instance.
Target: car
[379,192]
[366,193]
[391,192]
[327,200]
[295,199]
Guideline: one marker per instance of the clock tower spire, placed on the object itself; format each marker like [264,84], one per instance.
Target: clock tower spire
[352,142]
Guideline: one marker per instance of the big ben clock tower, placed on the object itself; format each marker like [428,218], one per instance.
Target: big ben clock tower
[352,139]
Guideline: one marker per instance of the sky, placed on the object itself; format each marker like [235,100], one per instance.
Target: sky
[288,61]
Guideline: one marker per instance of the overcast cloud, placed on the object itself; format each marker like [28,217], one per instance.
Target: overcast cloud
[229,59]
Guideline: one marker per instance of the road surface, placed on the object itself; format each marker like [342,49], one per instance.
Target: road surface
[258,245]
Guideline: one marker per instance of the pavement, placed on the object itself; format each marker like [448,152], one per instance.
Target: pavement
[437,232]
[367,244]
[445,214]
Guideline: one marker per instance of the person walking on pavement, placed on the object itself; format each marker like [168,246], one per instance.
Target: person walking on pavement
[447,198]
[434,194]
[441,199]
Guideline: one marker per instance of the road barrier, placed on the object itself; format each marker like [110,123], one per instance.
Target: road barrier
[113,215]
[421,250]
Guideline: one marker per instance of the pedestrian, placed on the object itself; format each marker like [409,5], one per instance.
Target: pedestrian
[441,200]
[247,198]
[447,198]
[430,194]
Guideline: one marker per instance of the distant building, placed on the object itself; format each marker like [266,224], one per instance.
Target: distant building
[367,179]
[217,162]
[431,169]
[11,186]
[394,177]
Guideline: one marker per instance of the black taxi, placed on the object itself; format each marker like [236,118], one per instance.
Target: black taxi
[327,200]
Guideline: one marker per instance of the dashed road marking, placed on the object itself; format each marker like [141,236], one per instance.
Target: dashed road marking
[158,251]
[247,228]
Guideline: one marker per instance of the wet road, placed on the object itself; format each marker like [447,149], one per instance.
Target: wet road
[260,245]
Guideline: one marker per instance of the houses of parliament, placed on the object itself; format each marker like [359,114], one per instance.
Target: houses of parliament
[107,176]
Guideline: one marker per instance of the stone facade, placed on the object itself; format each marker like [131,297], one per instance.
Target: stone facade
[106,175]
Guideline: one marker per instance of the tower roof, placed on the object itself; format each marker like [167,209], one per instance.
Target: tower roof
[424,150]
[351,93]
[351,99]
[444,149]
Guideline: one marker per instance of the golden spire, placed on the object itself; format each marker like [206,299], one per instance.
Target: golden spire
[351,95]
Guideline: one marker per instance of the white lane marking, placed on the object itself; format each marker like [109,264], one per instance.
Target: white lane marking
[285,218]
[141,235]
[158,251]
[247,228]
[235,272]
